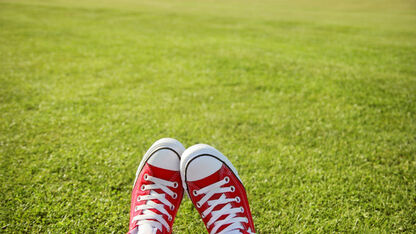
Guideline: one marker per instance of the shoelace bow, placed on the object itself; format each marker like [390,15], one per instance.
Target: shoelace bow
[232,219]
[148,216]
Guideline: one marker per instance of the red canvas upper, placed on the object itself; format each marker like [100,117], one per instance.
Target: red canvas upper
[239,191]
[173,176]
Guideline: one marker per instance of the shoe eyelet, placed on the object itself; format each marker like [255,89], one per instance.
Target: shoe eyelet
[195,193]
[146,177]
[237,199]
[138,198]
[170,218]
[175,195]
[242,209]
[227,179]
[172,207]
[203,216]
[143,188]
[175,184]
[198,205]
[232,188]
[135,208]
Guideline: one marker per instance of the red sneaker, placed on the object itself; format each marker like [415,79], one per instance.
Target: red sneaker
[215,189]
[157,190]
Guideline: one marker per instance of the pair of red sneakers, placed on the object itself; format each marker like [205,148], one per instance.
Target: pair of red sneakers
[207,176]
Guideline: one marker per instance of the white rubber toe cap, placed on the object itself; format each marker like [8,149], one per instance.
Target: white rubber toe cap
[164,153]
[200,161]
[202,167]
[166,159]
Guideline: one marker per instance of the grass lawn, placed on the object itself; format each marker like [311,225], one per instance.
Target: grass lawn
[314,102]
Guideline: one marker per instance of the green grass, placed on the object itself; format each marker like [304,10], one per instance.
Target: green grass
[314,102]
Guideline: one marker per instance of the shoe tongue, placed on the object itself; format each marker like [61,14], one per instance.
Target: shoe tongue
[146,229]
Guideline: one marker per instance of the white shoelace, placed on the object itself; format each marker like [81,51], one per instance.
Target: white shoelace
[232,219]
[149,217]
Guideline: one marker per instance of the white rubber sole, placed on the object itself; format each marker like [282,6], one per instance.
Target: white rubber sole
[164,143]
[201,150]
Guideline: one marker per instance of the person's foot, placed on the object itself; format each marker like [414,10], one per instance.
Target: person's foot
[216,190]
[157,190]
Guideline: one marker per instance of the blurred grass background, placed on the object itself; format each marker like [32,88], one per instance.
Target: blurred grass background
[312,101]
